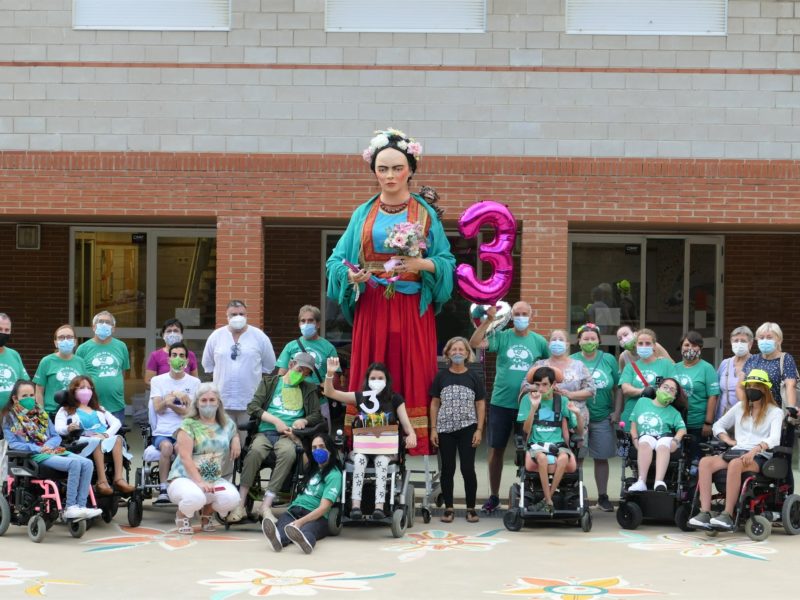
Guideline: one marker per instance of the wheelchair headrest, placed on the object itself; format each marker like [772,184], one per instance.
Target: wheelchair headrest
[61,397]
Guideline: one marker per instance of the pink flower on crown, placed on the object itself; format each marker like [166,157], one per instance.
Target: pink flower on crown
[415,149]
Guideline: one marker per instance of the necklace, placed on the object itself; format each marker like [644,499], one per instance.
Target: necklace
[393,209]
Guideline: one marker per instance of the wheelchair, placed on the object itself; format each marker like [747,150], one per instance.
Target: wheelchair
[671,505]
[290,486]
[31,497]
[765,498]
[400,495]
[569,501]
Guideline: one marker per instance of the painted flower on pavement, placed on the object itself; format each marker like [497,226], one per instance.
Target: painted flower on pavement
[295,582]
[573,589]
[12,574]
[701,546]
[416,545]
[169,539]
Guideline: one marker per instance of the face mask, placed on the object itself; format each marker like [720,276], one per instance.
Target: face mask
[4,339]
[628,343]
[663,397]
[66,346]
[753,394]
[739,348]
[690,355]
[83,395]
[173,338]
[458,359]
[766,346]
[238,322]
[644,351]
[521,323]
[320,455]
[589,347]
[177,363]
[207,411]
[377,385]
[102,331]
[28,403]
[308,329]
[295,377]
[558,347]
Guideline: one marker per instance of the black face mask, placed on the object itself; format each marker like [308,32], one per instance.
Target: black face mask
[4,339]
[753,394]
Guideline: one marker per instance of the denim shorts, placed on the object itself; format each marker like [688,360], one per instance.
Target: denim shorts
[162,438]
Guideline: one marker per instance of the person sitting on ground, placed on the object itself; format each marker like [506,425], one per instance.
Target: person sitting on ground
[82,414]
[547,426]
[390,409]
[756,424]
[205,436]
[28,428]
[305,522]
[281,404]
[657,426]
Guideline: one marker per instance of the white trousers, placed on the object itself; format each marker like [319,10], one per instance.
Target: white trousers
[190,498]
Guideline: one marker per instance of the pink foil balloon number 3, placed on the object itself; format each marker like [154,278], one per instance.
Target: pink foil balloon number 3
[497,252]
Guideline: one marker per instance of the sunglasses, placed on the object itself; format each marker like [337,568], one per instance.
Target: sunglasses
[236,350]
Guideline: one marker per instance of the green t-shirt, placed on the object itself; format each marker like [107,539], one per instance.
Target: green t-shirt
[11,369]
[699,382]
[320,348]
[515,356]
[544,434]
[653,419]
[54,374]
[660,367]
[605,373]
[106,364]
[317,490]
[286,404]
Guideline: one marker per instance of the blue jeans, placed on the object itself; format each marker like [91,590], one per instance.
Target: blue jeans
[120,414]
[314,531]
[80,471]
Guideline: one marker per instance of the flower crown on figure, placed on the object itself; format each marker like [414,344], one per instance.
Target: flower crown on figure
[383,139]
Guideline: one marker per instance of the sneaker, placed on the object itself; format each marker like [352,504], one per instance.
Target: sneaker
[266,513]
[540,506]
[378,515]
[271,533]
[548,508]
[723,519]
[604,504]
[491,505]
[660,486]
[236,515]
[162,499]
[639,486]
[74,512]
[701,519]
[356,514]
[297,538]
[91,513]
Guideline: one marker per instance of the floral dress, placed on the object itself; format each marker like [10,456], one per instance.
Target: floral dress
[211,445]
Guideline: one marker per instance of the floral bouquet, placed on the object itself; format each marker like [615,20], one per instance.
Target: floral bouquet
[405,239]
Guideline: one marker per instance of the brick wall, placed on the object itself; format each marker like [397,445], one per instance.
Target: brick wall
[34,291]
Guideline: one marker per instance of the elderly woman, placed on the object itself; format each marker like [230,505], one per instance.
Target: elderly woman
[779,365]
[158,361]
[756,422]
[644,372]
[27,428]
[98,427]
[58,369]
[205,437]
[731,370]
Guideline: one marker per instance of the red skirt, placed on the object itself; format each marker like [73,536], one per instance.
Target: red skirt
[391,331]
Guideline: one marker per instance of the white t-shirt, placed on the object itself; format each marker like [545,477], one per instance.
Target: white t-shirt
[746,433]
[238,378]
[162,385]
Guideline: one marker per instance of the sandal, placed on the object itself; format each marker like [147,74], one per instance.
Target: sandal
[207,523]
[184,526]
[472,516]
[448,516]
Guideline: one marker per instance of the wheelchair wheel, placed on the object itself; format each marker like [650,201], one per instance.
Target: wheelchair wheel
[629,515]
[135,511]
[758,528]
[37,528]
[682,517]
[335,521]
[398,523]
[439,500]
[513,496]
[5,515]
[77,528]
[790,515]
[712,533]
[411,507]
[512,519]
[107,505]
[586,521]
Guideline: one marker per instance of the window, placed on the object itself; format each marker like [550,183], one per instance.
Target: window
[648,17]
[457,16]
[160,15]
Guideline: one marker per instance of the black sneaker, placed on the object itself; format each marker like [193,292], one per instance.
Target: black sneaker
[271,533]
[378,515]
[297,538]
[604,504]
[491,505]
[356,514]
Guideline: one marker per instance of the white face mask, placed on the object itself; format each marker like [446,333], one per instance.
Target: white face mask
[377,385]
[238,321]
[739,348]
